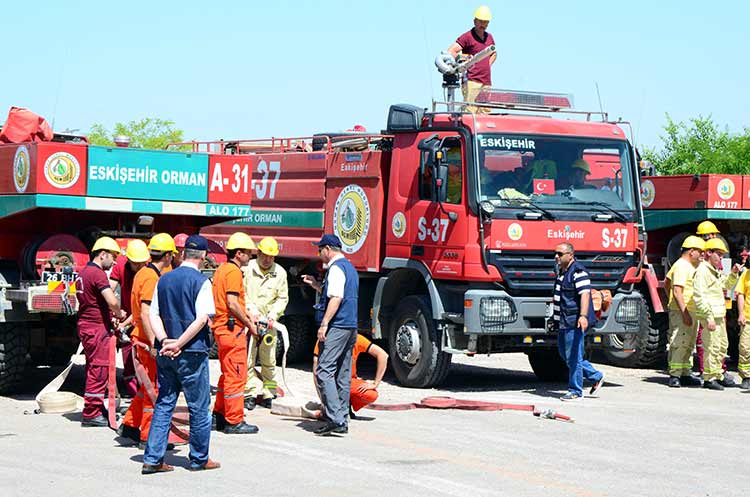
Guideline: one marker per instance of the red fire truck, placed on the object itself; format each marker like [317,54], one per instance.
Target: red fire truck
[451,219]
[56,198]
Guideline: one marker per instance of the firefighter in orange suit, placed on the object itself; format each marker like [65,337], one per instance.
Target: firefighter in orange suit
[230,326]
[137,420]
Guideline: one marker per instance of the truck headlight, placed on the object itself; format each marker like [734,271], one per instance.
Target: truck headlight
[629,311]
[495,312]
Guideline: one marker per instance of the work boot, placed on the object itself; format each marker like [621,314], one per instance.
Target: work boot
[728,381]
[150,469]
[241,428]
[713,385]
[674,382]
[95,422]
[250,403]
[745,385]
[267,403]
[218,422]
[131,432]
[209,465]
[329,428]
[691,381]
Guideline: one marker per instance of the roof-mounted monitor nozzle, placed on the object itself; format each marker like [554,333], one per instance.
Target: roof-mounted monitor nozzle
[453,70]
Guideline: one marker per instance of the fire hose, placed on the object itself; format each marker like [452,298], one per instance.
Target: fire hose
[438,402]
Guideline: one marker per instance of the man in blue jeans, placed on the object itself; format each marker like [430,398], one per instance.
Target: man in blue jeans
[183,303]
[574,314]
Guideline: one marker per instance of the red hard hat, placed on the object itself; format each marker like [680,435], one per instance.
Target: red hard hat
[179,240]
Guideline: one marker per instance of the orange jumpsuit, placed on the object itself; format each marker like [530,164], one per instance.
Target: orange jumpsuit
[356,399]
[230,395]
[141,409]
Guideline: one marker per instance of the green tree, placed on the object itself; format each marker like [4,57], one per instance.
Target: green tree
[700,146]
[149,132]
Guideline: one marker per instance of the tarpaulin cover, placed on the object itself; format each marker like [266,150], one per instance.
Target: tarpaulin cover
[23,125]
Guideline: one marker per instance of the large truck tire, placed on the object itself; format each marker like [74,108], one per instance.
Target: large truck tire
[14,353]
[414,345]
[650,343]
[548,365]
[301,340]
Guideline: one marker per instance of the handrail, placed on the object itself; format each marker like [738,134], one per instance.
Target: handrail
[280,145]
[518,107]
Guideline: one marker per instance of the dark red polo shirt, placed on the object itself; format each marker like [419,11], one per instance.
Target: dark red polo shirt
[471,44]
[92,308]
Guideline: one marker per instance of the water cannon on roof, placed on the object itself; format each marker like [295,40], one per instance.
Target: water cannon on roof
[453,70]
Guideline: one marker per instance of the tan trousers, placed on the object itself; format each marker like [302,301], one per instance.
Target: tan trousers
[265,384]
[715,346]
[470,90]
[743,365]
[681,344]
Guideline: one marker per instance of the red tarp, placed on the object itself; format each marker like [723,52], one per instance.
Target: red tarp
[23,125]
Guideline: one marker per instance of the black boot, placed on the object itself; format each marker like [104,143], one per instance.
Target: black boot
[250,403]
[674,382]
[218,422]
[240,428]
[713,385]
[130,432]
[96,422]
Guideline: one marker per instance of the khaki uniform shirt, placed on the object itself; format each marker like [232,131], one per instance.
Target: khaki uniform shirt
[267,294]
[709,284]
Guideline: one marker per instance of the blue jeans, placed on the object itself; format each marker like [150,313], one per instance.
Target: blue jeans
[187,372]
[570,345]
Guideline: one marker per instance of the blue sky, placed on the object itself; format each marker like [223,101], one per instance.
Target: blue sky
[260,69]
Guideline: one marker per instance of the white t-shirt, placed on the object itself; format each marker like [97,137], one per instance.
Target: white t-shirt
[336,279]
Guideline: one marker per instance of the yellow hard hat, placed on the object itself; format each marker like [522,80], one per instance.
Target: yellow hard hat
[581,164]
[707,228]
[483,13]
[137,251]
[269,246]
[693,242]
[240,240]
[106,243]
[162,242]
[716,244]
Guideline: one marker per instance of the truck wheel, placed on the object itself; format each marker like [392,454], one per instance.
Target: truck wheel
[650,343]
[548,365]
[300,340]
[414,345]
[14,349]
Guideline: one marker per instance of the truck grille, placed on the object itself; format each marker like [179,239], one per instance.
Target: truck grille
[530,273]
[51,303]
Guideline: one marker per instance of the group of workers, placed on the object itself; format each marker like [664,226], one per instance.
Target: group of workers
[167,308]
[699,294]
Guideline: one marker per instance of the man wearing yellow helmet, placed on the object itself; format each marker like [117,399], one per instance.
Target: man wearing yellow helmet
[470,43]
[709,284]
[707,230]
[267,295]
[97,304]
[579,169]
[683,329]
[230,326]
[122,275]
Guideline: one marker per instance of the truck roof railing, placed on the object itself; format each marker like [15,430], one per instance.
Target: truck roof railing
[320,142]
[524,101]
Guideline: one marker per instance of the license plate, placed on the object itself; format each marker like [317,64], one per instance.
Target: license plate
[49,276]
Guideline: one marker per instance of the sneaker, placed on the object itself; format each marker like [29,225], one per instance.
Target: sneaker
[713,385]
[571,397]
[597,386]
[329,428]
[241,428]
[131,432]
[728,381]
[250,403]
[745,385]
[674,382]
[691,381]
[95,422]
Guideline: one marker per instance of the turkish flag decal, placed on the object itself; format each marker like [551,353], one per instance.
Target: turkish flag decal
[544,186]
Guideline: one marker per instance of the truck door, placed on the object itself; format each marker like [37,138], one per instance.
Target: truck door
[436,240]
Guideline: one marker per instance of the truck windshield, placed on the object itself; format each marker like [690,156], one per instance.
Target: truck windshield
[555,173]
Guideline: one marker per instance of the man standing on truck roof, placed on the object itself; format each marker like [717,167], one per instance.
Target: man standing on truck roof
[709,284]
[97,304]
[683,329]
[230,327]
[137,420]
[123,273]
[472,42]
[337,333]
[574,314]
[267,295]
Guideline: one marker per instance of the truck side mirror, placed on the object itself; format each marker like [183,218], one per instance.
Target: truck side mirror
[440,173]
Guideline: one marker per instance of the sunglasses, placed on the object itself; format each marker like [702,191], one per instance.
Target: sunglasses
[560,254]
